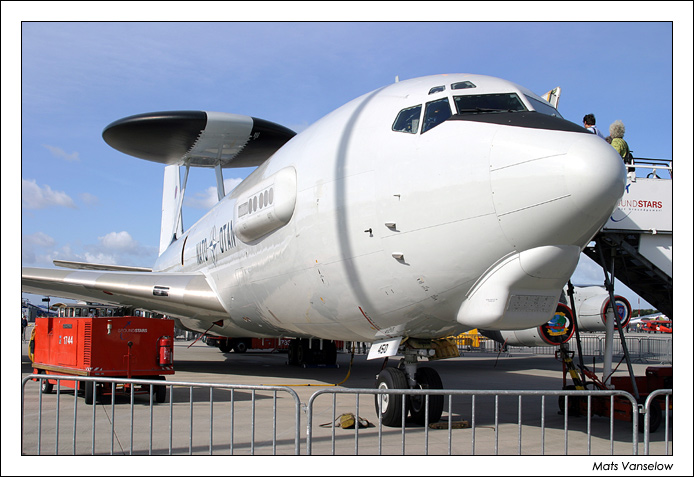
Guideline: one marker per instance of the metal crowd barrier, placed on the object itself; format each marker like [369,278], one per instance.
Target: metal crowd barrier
[379,436]
[642,349]
[647,420]
[214,395]
[246,419]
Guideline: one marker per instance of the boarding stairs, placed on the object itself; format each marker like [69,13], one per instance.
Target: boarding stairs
[636,242]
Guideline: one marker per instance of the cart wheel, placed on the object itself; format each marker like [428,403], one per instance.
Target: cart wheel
[240,346]
[656,417]
[46,387]
[88,392]
[574,402]
[225,345]
[160,393]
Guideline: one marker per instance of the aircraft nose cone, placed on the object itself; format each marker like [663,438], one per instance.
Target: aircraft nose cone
[596,177]
[558,193]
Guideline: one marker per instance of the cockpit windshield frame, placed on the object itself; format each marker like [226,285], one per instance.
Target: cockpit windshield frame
[407,120]
[542,107]
[488,103]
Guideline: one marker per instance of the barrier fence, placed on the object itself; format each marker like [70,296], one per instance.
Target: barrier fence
[642,349]
[207,418]
[233,426]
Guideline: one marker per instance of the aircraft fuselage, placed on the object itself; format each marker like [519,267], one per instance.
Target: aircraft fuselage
[361,228]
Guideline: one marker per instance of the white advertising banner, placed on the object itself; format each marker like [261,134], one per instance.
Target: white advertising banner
[645,206]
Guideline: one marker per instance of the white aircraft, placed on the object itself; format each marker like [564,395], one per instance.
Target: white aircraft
[420,210]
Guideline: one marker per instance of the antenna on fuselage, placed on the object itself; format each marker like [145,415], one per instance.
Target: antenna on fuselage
[397,79]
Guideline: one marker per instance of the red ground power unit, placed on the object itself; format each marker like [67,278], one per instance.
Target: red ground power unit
[120,347]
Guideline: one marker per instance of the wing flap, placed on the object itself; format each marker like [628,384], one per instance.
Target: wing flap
[183,294]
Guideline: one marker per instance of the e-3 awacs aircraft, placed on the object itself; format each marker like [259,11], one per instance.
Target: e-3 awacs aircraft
[418,211]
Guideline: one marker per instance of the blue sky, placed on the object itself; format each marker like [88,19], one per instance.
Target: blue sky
[82,200]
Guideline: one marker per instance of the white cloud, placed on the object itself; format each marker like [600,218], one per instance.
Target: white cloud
[100,258]
[121,241]
[35,247]
[89,199]
[119,248]
[207,199]
[35,197]
[114,248]
[38,239]
[588,272]
[59,152]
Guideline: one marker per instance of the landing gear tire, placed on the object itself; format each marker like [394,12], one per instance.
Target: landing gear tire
[389,406]
[304,353]
[329,353]
[293,353]
[426,378]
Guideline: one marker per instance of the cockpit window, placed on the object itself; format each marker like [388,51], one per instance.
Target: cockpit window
[543,108]
[408,120]
[463,85]
[488,103]
[436,112]
[437,89]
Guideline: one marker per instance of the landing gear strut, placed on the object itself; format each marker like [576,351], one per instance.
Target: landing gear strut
[407,376]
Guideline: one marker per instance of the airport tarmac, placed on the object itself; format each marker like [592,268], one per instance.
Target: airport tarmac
[195,362]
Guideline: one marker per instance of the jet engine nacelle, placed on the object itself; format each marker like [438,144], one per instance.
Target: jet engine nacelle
[593,308]
[556,331]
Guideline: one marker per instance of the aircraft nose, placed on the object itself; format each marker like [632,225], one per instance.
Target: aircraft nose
[560,193]
[596,177]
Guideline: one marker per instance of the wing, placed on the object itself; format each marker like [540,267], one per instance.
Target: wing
[200,138]
[178,294]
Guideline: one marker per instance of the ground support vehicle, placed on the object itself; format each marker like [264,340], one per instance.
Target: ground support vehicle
[114,347]
[660,326]
[657,377]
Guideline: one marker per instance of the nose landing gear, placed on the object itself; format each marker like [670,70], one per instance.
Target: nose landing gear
[408,376]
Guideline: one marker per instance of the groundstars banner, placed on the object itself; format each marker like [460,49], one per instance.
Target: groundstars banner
[645,206]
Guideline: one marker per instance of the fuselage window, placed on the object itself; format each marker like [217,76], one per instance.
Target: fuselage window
[488,103]
[436,112]
[408,120]
[543,108]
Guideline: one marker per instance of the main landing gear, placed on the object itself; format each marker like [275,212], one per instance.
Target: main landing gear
[304,352]
[408,376]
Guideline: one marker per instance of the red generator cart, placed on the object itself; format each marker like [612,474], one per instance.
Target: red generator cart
[114,347]
[657,377]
